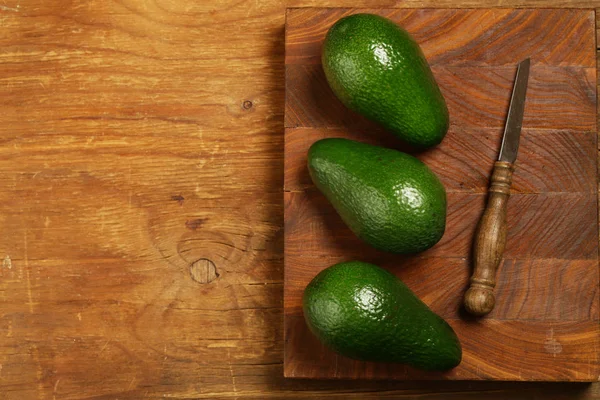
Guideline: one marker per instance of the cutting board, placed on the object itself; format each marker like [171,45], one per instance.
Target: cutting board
[545,324]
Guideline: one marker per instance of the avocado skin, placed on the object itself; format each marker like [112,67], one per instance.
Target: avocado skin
[364,312]
[378,70]
[389,199]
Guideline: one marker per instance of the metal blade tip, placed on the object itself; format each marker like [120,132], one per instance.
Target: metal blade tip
[525,63]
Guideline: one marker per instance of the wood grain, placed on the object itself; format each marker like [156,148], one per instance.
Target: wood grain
[122,124]
[554,349]
[560,221]
[437,280]
[477,97]
[548,275]
[471,153]
[479,38]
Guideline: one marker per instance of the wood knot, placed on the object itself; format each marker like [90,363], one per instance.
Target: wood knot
[247,105]
[178,198]
[194,224]
[203,271]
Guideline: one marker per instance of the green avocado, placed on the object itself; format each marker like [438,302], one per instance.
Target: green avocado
[364,312]
[378,70]
[389,199]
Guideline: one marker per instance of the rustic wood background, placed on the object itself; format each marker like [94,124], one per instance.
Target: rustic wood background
[141,139]
[545,326]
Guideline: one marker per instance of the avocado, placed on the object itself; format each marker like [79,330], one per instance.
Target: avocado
[378,70]
[364,312]
[388,198]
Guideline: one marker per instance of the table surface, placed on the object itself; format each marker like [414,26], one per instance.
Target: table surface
[141,173]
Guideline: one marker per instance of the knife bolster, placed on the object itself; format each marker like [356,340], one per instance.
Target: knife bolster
[501,177]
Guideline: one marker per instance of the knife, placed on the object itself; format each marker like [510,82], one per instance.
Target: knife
[490,237]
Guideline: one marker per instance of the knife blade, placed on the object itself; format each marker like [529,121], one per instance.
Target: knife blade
[490,238]
[514,121]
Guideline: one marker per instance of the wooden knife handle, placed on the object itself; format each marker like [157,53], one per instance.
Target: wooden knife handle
[490,240]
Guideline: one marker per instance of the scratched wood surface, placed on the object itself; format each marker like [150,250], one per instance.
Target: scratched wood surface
[545,326]
[138,141]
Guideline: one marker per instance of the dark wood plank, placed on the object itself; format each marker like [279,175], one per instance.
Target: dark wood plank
[557,98]
[549,160]
[547,326]
[548,225]
[552,350]
[570,292]
[481,37]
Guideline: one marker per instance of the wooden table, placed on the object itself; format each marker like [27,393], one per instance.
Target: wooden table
[141,176]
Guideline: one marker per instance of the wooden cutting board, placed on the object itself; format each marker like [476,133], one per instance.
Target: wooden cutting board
[545,324]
